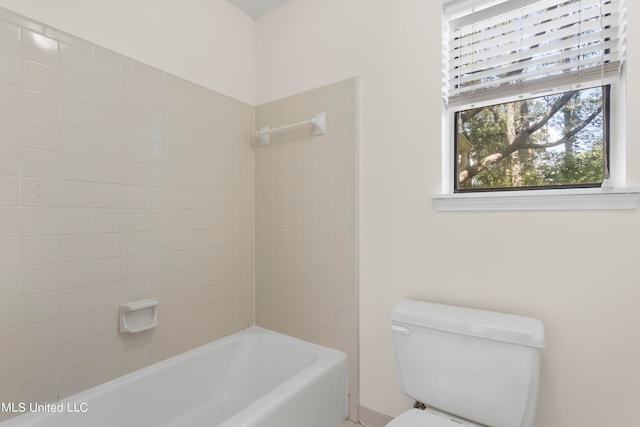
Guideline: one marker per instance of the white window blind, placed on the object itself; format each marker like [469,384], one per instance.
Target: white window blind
[501,48]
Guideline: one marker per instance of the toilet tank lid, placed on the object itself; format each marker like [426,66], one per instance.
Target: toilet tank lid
[469,321]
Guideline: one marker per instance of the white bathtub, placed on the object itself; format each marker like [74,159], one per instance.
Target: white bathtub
[254,378]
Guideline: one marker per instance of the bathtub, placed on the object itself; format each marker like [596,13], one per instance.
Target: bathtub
[254,378]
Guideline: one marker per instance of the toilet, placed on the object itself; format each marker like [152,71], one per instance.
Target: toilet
[469,367]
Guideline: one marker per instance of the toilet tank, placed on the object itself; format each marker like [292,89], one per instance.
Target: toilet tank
[475,364]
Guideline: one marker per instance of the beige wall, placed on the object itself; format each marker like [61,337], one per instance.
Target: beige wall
[575,271]
[188,38]
[118,182]
[306,223]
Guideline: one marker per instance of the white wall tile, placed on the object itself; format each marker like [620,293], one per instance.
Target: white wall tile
[40,106]
[108,145]
[75,247]
[40,192]
[107,65]
[9,374]
[9,160]
[76,167]
[40,134]
[134,220]
[10,37]
[106,245]
[74,381]
[9,252]
[134,173]
[40,221]
[76,194]
[106,295]
[40,77]
[39,307]
[76,220]
[39,336]
[10,130]
[106,270]
[10,72]
[76,141]
[106,170]
[133,197]
[106,95]
[40,279]
[154,175]
[76,274]
[104,345]
[10,339]
[40,250]
[76,114]
[9,313]
[11,100]
[75,328]
[38,366]
[133,244]
[75,86]
[147,104]
[45,390]
[9,191]
[9,222]
[132,267]
[106,220]
[104,320]
[154,198]
[75,301]
[39,48]
[75,354]
[74,58]
[10,279]
[107,120]
[106,195]
[40,163]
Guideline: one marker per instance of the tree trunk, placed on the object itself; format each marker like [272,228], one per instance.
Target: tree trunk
[568,125]
[512,132]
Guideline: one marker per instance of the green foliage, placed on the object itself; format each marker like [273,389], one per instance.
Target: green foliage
[573,168]
[568,149]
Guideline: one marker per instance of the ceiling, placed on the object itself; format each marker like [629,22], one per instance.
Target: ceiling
[256,8]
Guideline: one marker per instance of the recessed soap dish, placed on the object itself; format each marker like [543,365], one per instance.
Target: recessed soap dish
[138,316]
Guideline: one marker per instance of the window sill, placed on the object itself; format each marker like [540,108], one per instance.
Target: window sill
[540,200]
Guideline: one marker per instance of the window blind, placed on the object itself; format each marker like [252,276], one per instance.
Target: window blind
[502,48]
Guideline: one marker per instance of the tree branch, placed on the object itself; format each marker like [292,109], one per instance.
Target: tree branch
[521,140]
[568,136]
[551,111]
[469,114]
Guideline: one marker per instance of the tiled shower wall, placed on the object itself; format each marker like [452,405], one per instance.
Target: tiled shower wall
[117,182]
[306,223]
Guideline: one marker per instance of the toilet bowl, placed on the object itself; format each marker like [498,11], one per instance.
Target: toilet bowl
[429,418]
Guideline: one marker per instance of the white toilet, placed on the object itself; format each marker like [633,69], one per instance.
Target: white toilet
[469,367]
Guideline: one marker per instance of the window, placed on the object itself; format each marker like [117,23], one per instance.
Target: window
[553,141]
[529,87]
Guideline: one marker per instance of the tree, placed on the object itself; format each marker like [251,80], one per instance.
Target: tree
[550,140]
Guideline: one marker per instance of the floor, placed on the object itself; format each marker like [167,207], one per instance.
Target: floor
[350,424]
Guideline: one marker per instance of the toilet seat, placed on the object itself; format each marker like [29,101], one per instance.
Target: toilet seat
[424,418]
